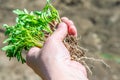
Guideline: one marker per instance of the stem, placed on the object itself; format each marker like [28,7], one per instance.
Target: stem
[38,44]
[52,24]
[59,20]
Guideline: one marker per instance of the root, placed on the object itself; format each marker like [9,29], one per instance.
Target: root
[82,60]
[77,53]
[87,67]
[96,60]
[72,45]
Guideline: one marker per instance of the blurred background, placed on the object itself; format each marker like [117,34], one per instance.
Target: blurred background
[98,25]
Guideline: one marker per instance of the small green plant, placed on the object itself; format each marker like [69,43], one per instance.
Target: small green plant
[30,30]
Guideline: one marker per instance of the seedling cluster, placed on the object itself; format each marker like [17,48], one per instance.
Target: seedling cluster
[30,30]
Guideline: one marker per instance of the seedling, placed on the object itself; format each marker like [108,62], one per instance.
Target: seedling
[33,28]
[30,30]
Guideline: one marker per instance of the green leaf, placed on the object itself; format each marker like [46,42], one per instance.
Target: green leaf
[18,56]
[18,12]
[5,26]
[30,30]
[26,11]
[47,29]
[37,12]
[17,32]
[7,40]
[7,47]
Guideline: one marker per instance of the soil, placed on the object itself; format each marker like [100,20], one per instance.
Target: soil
[98,25]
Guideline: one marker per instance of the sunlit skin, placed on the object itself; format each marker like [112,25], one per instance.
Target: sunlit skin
[53,62]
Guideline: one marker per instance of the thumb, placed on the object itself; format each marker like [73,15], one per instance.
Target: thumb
[61,32]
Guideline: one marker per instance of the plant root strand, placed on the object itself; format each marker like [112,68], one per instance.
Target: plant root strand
[77,53]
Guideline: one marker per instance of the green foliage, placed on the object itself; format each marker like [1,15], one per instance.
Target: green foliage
[30,30]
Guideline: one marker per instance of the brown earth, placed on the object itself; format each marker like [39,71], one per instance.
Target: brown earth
[97,22]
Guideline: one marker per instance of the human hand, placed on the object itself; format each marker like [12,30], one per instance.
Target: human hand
[53,61]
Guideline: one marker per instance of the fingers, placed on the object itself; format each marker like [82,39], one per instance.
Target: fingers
[71,27]
[61,32]
[64,28]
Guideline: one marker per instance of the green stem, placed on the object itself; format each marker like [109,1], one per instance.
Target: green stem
[59,18]
[38,44]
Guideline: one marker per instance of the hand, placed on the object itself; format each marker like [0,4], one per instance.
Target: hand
[53,61]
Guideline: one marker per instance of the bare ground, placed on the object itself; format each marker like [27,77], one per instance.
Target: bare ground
[97,22]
